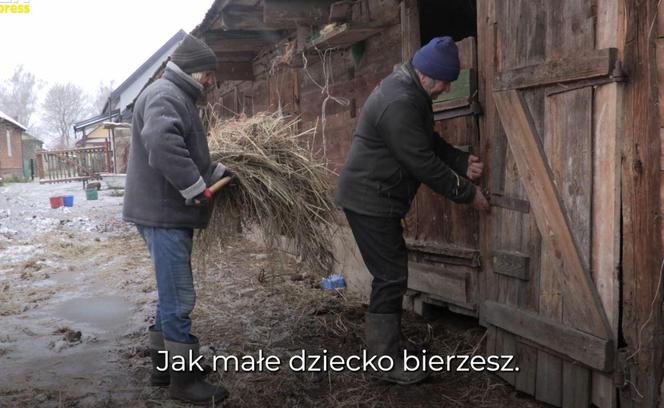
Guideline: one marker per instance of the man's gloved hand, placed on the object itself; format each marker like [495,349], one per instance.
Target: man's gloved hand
[233,177]
[201,200]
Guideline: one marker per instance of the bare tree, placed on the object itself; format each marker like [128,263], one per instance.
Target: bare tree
[101,98]
[65,104]
[18,95]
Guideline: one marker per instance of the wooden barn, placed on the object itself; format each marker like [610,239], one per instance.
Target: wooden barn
[561,101]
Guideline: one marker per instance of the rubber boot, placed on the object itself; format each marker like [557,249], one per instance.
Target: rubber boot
[158,378]
[383,338]
[190,386]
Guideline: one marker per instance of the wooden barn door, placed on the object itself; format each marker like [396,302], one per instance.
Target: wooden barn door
[443,237]
[549,247]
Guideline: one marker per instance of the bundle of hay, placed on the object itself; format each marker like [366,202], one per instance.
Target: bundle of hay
[283,186]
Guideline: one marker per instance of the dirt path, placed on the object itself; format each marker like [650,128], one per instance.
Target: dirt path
[75,270]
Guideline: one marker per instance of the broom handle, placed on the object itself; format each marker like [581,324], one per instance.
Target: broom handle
[219,185]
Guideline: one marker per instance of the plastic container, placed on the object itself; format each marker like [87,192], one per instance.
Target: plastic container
[91,194]
[333,282]
[56,202]
[68,201]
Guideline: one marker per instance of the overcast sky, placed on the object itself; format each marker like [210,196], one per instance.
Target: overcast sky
[88,41]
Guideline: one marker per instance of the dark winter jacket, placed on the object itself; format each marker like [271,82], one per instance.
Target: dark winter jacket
[395,149]
[169,160]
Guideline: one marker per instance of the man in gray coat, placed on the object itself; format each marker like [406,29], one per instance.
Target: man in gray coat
[167,197]
[395,149]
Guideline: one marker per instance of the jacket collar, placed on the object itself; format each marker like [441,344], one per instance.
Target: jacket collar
[408,71]
[183,80]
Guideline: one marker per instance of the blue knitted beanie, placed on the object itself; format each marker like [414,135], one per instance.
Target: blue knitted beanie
[439,59]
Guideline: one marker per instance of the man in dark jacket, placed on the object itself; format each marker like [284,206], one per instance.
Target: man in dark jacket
[395,149]
[167,198]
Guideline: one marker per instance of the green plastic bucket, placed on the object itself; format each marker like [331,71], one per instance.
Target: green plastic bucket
[91,194]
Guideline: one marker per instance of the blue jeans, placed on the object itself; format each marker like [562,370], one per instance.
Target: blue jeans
[170,250]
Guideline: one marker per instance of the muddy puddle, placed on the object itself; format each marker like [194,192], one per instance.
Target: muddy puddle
[102,312]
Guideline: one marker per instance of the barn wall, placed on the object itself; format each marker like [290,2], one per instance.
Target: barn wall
[296,90]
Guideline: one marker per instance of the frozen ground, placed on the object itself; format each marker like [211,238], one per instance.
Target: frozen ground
[65,271]
[77,294]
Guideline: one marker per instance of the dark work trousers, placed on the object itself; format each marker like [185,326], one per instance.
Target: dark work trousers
[383,250]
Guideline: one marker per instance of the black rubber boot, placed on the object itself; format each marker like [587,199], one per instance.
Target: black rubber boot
[158,378]
[190,386]
[383,338]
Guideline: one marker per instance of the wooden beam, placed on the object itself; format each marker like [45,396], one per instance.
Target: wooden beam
[590,350]
[593,64]
[296,12]
[235,71]
[547,207]
[446,282]
[512,264]
[248,17]
[641,224]
[238,40]
[509,203]
[410,29]
[236,56]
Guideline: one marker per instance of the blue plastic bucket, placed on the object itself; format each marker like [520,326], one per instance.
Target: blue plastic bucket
[68,200]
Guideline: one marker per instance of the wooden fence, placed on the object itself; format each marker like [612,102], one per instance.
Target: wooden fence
[81,164]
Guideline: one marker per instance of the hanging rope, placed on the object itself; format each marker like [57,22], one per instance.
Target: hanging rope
[328,79]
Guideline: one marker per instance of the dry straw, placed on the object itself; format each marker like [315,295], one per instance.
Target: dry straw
[283,188]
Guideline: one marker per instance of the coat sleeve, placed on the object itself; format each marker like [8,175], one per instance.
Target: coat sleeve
[455,158]
[163,136]
[405,135]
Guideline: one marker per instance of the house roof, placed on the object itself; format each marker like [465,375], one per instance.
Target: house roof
[145,66]
[94,120]
[10,120]
[28,137]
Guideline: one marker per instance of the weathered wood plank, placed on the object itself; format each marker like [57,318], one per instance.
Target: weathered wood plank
[512,264]
[521,30]
[235,71]
[444,282]
[592,64]
[296,12]
[568,147]
[660,77]
[486,51]
[510,203]
[590,350]
[549,382]
[606,220]
[547,208]
[610,31]
[506,346]
[345,35]
[527,362]
[569,28]
[240,40]
[576,386]
[247,17]
[641,243]
[410,29]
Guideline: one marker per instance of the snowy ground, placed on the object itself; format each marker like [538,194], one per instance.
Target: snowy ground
[77,293]
[65,271]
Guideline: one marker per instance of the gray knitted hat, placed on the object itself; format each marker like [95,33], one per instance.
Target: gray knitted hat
[193,55]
